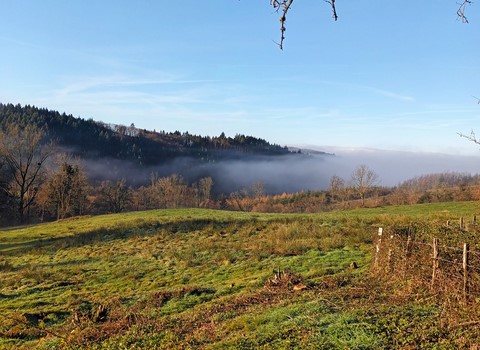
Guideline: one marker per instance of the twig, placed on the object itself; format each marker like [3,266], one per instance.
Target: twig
[470,323]
[472,137]
[334,10]
[461,10]
[283,6]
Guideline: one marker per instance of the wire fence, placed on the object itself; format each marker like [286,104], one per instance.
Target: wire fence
[441,258]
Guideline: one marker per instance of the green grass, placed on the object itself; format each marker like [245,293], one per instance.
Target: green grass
[192,278]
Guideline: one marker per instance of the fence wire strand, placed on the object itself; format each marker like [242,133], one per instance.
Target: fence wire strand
[412,253]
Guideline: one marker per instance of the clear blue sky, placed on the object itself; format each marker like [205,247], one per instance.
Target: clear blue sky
[397,75]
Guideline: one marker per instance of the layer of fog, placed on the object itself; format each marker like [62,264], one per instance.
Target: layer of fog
[314,172]
[394,167]
[294,172]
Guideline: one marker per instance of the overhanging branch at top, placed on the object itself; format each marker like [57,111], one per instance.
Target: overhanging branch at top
[283,6]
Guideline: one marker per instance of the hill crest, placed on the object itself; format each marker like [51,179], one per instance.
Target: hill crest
[87,138]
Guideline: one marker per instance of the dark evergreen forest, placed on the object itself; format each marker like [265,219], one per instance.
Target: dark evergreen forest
[87,138]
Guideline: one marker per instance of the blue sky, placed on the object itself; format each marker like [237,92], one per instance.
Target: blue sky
[396,75]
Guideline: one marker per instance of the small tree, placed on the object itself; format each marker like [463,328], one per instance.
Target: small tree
[24,154]
[363,178]
[115,196]
[337,187]
[67,189]
[204,191]
[172,191]
[257,189]
[142,199]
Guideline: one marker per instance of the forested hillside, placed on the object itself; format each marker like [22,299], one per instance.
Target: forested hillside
[54,166]
[95,139]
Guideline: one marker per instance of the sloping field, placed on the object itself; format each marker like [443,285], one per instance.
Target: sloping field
[204,279]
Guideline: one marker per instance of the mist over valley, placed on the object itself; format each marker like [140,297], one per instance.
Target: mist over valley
[305,171]
[113,152]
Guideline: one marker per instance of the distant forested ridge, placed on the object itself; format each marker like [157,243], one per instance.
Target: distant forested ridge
[95,139]
[54,166]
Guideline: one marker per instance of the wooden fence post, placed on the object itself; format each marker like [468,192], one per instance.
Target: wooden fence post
[407,252]
[377,249]
[465,271]
[435,261]
[462,223]
[390,254]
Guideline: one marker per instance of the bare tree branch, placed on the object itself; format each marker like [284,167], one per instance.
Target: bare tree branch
[461,10]
[472,137]
[283,6]
[334,10]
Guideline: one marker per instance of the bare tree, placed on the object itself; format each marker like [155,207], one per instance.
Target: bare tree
[237,198]
[115,196]
[142,199]
[170,192]
[204,191]
[363,178]
[337,188]
[258,189]
[65,192]
[174,190]
[24,154]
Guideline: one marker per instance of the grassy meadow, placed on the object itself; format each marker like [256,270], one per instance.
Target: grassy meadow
[205,279]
